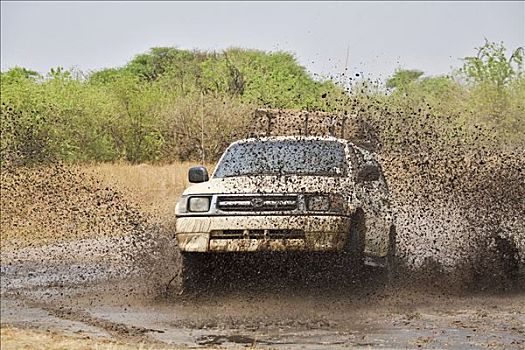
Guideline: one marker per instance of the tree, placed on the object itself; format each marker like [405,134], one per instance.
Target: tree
[402,78]
[492,66]
[106,76]
[138,104]
[496,88]
[16,74]
[159,60]
[145,109]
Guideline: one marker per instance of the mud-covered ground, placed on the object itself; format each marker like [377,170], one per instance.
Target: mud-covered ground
[79,257]
[90,291]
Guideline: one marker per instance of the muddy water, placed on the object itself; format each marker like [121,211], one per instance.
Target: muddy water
[111,297]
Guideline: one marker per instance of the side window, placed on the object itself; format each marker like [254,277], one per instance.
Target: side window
[363,157]
[374,161]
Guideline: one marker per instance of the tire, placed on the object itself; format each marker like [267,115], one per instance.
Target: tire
[391,259]
[507,258]
[192,268]
[354,249]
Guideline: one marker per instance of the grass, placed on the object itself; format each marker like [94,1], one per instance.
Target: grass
[154,188]
[42,206]
[16,339]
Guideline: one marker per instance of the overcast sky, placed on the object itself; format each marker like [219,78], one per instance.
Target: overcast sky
[379,36]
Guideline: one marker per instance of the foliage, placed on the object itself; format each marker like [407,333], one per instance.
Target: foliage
[200,126]
[170,104]
[496,88]
[491,65]
[402,78]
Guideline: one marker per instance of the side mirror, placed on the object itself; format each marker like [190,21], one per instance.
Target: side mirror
[198,174]
[368,172]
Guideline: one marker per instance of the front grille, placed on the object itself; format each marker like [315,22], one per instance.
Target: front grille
[257,234]
[256,203]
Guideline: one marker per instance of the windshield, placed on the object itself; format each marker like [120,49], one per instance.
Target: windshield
[286,157]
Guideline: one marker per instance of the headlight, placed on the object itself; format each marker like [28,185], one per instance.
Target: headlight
[332,203]
[317,203]
[199,204]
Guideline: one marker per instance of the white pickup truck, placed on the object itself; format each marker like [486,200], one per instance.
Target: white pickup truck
[310,194]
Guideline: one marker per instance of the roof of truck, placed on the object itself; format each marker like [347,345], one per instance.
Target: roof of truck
[285,138]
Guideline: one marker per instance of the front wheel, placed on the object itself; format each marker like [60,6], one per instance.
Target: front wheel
[191,273]
[391,259]
[353,251]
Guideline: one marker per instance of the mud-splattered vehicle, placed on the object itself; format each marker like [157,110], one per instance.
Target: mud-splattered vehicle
[303,194]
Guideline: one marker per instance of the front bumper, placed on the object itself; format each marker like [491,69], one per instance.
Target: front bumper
[318,233]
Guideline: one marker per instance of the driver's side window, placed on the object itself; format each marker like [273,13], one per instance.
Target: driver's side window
[368,169]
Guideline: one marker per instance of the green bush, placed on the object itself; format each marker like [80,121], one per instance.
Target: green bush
[171,104]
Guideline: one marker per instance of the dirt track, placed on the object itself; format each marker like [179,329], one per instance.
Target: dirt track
[106,295]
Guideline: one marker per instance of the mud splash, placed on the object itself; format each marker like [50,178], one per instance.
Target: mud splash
[118,285]
[458,199]
[459,221]
[59,215]
[460,215]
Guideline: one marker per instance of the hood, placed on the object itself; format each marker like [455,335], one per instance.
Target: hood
[271,184]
